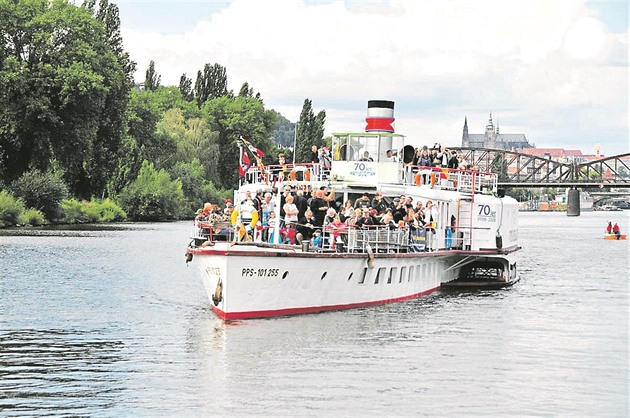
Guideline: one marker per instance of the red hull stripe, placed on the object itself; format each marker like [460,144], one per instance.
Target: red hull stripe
[312,309]
[379,124]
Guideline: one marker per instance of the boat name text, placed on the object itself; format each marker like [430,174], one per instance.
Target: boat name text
[259,272]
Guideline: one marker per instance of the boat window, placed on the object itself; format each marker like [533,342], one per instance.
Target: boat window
[403,270]
[363,275]
[411,272]
[381,273]
[392,274]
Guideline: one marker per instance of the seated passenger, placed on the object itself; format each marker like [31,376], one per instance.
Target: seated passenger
[366,156]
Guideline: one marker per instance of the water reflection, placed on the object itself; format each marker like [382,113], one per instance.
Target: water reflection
[59,370]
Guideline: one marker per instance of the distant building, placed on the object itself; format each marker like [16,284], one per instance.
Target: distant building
[561,155]
[493,139]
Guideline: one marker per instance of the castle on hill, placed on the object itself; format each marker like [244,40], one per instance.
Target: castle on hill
[493,139]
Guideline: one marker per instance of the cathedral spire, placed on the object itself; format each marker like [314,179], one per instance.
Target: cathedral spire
[465,132]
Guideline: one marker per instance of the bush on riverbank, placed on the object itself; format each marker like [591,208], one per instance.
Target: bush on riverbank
[32,217]
[153,196]
[93,211]
[10,209]
[41,191]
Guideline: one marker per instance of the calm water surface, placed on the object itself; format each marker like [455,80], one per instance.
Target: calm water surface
[112,322]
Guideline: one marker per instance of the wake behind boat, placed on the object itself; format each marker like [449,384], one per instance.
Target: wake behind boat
[467,231]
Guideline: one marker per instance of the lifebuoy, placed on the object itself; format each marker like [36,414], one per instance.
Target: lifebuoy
[292,175]
[307,175]
[252,223]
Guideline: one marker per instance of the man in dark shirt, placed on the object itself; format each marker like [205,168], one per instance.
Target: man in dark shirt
[363,202]
[319,206]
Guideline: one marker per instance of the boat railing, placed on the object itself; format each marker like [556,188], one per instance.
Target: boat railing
[465,181]
[206,233]
[271,174]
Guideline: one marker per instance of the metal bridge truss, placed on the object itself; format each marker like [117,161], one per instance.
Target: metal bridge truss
[515,169]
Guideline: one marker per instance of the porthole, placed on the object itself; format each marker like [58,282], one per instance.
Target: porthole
[350,276]
[323,275]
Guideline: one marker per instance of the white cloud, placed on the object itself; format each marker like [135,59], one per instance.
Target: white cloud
[442,59]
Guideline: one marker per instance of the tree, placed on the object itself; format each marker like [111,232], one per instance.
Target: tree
[310,131]
[64,81]
[210,84]
[152,79]
[232,118]
[185,88]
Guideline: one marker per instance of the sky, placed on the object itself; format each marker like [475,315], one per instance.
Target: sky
[556,71]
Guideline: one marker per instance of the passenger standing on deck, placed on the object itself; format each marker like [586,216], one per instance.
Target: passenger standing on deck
[319,207]
[290,212]
[609,228]
[314,155]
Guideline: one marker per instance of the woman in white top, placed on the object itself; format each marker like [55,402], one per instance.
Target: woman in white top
[290,211]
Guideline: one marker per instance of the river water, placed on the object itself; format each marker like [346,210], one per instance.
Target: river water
[111,322]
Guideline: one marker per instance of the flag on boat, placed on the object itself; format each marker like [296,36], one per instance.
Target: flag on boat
[245,164]
[258,154]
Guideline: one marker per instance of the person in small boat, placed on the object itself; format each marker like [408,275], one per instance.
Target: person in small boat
[609,228]
[616,230]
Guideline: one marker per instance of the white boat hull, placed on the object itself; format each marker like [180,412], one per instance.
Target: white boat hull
[256,284]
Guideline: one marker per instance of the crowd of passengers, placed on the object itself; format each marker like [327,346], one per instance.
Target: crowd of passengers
[306,214]
[436,156]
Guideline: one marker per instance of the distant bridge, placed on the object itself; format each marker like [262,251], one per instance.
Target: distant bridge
[516,169]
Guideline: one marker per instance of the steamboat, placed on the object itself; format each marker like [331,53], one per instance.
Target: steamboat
[470,241]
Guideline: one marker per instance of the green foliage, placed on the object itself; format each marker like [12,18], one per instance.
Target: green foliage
[32,217]
[152,79]
[210,84]
[93,211]
[64,81]
[232,118]
[152,196]
[310,131]
[213,195]
[42,191]
[191,176]
[10,209]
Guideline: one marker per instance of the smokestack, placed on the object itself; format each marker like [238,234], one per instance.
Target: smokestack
[380,116]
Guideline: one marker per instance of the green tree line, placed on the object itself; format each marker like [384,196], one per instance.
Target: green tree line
[71,113]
